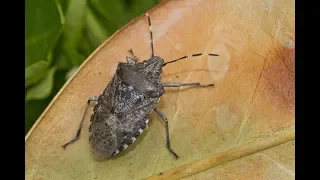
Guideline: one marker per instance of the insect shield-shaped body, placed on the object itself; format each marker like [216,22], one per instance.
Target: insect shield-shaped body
[122,111]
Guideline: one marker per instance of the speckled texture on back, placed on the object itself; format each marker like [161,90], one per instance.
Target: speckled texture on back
[122,110]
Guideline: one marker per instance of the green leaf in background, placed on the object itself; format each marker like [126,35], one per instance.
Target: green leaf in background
[60,59]
[36,72]
[139,6]
[73,29]
[64,5]
[111,13]
[96,33]
[71,72]
[43,27]
[43,89]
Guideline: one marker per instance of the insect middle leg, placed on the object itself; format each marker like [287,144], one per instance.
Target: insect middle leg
[163,117]
[176,84]
[93,98]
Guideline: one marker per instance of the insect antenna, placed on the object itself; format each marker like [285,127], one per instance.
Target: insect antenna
[184,57]
[151,36]
[152,48]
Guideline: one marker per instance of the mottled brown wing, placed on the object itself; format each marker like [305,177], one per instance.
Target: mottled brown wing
[120,116]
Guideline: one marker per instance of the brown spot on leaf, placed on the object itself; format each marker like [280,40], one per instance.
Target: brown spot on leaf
[279,74]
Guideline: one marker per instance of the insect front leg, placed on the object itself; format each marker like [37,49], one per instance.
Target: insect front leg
[177,84]
[93,98]
[132,60]
[163,117]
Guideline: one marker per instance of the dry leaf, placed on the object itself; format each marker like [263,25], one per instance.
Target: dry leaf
[245,124]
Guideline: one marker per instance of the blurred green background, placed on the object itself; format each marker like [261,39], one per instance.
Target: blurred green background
[60,35]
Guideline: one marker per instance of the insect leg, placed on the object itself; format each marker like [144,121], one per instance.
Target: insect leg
[93,98]
[163,117]
[176,84]
[130,60]
[135,58]
[151,36]
[184,57]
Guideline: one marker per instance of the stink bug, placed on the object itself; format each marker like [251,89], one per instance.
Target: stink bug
[121,112]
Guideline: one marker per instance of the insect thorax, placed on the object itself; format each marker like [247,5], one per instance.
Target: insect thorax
[143,76]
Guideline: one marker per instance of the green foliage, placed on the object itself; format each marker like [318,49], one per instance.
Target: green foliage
[36,72]
[43,88]
[60,34]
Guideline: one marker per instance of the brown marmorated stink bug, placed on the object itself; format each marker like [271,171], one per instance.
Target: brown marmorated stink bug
[121,112]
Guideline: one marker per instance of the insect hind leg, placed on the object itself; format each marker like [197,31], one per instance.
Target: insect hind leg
[163,117]
[93,98]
